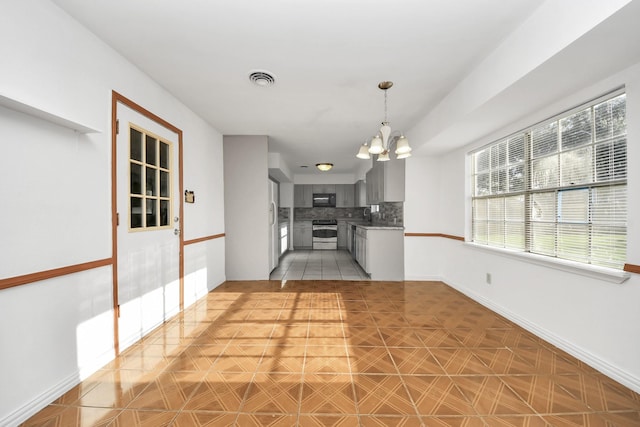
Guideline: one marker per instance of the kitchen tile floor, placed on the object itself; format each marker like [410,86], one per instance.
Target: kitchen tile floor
[342,353]
[318,265]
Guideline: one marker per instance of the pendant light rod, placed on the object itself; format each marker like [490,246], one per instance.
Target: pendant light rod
[384,86]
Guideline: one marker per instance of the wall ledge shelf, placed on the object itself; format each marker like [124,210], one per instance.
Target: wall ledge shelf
[31,110]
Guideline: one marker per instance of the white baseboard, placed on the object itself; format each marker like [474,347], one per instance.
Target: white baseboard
[212,287]
[31,408]
[587,357]
[424,278]
[97,364]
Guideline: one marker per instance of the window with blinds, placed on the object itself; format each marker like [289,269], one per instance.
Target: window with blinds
[558,188]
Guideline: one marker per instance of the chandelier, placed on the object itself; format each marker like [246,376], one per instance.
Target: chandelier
[381,143]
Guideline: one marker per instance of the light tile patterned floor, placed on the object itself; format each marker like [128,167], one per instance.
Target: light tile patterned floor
[318,265]
[338,353]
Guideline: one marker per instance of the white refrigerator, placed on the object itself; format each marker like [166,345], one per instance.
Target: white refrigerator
[274,235]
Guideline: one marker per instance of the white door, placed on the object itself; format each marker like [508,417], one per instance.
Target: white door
[148,242]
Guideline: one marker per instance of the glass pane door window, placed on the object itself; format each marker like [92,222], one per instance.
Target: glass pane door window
[150,181]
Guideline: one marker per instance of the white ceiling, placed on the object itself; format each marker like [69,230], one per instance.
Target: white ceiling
[327,56]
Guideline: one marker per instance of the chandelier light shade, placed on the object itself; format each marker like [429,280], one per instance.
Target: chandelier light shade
[324,167]
[381,143]
[384,157]
[363,153]
[402,145]
[376,145]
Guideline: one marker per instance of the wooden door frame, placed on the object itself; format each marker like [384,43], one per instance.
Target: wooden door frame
[115,99]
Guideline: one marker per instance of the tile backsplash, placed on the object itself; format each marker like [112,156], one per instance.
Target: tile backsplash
[301,214]
[389,213]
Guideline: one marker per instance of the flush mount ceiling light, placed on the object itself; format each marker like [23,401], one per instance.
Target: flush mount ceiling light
[324,167]
[262,78]
[381,143]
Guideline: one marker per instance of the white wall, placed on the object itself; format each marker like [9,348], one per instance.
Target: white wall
[278,169]
[422,215]
[246,203]
[203,173]
[593,319]
[55,188]
[203,268]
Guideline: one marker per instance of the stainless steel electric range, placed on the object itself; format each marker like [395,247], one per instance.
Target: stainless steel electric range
[325,234]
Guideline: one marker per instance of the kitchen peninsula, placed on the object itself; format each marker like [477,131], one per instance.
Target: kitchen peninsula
[378,248]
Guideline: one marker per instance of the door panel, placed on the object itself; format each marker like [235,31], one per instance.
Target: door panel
[148,242]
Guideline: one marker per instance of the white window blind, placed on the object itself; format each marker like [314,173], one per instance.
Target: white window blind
[558,188]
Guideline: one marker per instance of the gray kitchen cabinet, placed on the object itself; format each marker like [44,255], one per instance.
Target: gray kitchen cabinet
[297,235]
[344,195]
[372,187]
[349,195]
[324,188]
[303,195]
[360,194]
[342,234]
[302,235]
[385,182]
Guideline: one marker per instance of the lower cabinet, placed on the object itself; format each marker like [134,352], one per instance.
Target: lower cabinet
[302,235]
[342,235]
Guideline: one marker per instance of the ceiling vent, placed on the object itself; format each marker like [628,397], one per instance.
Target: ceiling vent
[262,78]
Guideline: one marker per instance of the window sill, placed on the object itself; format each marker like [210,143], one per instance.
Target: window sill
[602,273]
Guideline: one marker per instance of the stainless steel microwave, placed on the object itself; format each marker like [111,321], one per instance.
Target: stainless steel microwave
[324,200]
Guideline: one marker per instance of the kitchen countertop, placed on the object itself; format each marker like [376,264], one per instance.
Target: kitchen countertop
[360,223]
[375,226]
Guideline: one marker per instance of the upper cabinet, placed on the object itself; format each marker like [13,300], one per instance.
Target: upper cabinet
[324,188]
[303,196]
[360,194]
[344,195]
[385,182]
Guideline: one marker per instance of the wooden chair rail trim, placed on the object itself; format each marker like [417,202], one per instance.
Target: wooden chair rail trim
[446,236]
[50,274]
[203,239]
[632,268]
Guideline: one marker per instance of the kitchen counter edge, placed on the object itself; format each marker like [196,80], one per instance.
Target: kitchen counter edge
[374,226]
